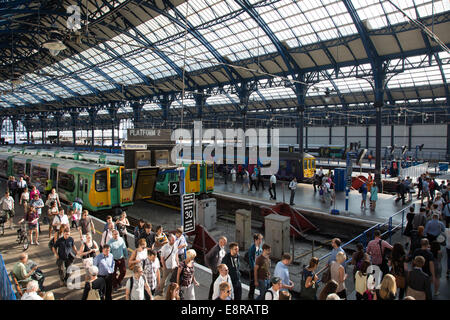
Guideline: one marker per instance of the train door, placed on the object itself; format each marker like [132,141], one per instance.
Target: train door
[209,177]
[126,186]
[114,187]
[53,176]
[193,179]
[202,178]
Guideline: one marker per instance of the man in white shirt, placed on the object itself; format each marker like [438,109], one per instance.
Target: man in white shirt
[107,235]
[169,261]
[223,277]
[272,187]
[31,293]
[7,203]
[136,285]
[60,220]
[180,243]
[292,187]
[21,185]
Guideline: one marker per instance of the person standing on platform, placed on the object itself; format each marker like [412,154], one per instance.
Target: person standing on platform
[363,191]
[53,196]
[260,179]
[245,180]
[425,190]
[213,259]
[65,252]
[151,267]
[233,176]
[292,187]
[12,186]
[138,231]
[434,228]
[86,225]
[148,235]
[223,277]
[25,199]
[119,252]
[273,187]
[8,207]
[418,282]
[169,261]
[231,260]
[225,173]
[137,285]
[94,283]
[180,244]
[33,191]
[338,274]
[253,180]
[254,252]
[105,264]
[38,204]
[282,271]
[77,211]
[21,185]
[375,249]
[186,276]
[420,185]
[373,196]
[316,181]
[88,251]
[122,223]
[262,271]
[336,245]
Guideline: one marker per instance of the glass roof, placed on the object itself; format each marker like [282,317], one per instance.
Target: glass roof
[418,77]
[276,93]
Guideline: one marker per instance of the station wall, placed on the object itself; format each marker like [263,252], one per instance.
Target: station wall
[434,137]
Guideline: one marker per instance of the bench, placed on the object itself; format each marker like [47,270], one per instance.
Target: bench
[19,289]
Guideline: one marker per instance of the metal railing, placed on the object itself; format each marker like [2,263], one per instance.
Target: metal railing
[368,234]
[6,289]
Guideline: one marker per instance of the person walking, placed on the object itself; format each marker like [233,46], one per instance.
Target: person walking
[373,196]
[425,190]
[94,283]
[223,277]
[260,179]
[224,291]
[282,271]
[292,187]
[21,185]
[120,254]
[12,186]
[213,258]
[24,199]
[254,252]
[31,217]
[105,264]
[65,251]
[151,267]
[245,180]
[138,231]
[137,286]
[86,225]
[253,179]
[418,282]
[7,203]
[225,173]
[38,204]
[309,279]
[399,267]
[180,243]
[272,187]
[186,276]
[122,223]
[434,228]
[233,176]
[338,274]
[231,260]
[376,249]
[262,271]
[169,261]
[87,252]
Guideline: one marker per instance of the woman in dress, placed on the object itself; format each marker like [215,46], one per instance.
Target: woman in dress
[87,252]
[53,196]
[53,211]
[338,274]
[373,196]
[122,225]
[185,276]
[138,255]
[309,280]
[399,266]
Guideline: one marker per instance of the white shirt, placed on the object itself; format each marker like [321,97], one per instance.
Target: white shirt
[25,197]
[292,185]
[106,236]
[233,171]
[180,241]
[273,179]
[274,296]
[169,255]
[58,220]
[222,254]
[21,184]
[7,203]
[219,280]
[31,296]
[137,292]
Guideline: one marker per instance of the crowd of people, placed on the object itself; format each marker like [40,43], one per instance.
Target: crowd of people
[163,267]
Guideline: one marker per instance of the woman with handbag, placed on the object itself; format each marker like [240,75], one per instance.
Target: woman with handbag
[122,225]
[138,255]
[309,279]
[398,265]
[87,252]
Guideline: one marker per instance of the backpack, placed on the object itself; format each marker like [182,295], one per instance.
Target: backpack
[93,294]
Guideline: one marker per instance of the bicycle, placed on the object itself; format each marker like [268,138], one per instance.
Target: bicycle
[22,236]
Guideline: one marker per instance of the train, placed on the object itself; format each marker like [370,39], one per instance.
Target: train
[99,186]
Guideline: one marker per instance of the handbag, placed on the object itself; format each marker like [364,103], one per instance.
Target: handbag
[309,293]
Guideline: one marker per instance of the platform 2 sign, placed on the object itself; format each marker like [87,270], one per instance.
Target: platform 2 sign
[174,188]
[188,212]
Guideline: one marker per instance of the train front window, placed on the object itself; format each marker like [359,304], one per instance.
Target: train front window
[101,179]
[193,172]
[209,171]
[127,179]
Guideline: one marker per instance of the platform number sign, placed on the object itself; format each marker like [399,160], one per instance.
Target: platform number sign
[174,188]
[188,212]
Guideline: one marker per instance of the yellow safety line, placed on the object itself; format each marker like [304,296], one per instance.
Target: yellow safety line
[163,204]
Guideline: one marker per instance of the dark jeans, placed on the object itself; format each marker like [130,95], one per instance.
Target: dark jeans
[63,265]
[447,221]
[237,288]
[358,296]
[260,182]
[120,266]
[108,289]
[251,290]
[263,286]
[215,275]
[253,183]
[291,202]
[342,294]
[274,189]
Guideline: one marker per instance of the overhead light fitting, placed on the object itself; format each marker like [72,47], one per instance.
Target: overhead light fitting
[54,44]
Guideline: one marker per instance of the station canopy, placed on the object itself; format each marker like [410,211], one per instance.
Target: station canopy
[141,51]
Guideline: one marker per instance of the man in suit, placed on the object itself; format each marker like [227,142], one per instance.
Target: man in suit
[213,259]
[231,259]
[418,282]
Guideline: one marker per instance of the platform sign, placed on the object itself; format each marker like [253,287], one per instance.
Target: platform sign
[188,212]
[174,188]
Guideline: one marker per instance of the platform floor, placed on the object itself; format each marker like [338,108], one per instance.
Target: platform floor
[306,198]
